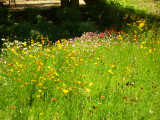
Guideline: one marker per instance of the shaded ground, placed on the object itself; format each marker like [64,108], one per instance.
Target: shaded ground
[20,5]
[50,19]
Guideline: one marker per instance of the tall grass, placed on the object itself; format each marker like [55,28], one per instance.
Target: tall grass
[108,75]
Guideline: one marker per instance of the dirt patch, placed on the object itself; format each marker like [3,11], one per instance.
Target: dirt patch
[20,5]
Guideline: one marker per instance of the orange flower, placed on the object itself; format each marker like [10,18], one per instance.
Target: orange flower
[12,107]
[53,99]
[102,97]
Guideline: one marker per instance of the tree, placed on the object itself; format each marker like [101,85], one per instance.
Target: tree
[72,3]
[89,1]
[64,3]
[95,2]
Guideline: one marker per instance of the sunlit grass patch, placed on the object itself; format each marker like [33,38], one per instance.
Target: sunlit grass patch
[149,6]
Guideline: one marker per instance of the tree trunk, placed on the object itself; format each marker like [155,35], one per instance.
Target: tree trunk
[89,2]
[64,3]
[74,3]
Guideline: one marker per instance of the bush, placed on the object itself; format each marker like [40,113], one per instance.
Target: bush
[69,14]
[31,15]
[87,27]
[5,17]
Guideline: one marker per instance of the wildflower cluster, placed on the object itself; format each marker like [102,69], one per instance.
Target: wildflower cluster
[94,72]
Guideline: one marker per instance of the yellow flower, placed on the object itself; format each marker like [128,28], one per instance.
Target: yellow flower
[112,66]
[120,37]
[84,75]
[56,74]
[143,43]
[41,113]
[40,91]
[96,63]
[141,46]
[85,82]
[65,91]
[128,24]
[81,60]
[79,82]
[13,51]
[126,16]
[40,84]
[30,56]
[88,90]
[70,89]
[58,88]
[33,80]
[52,56]
[37,96]
[141,25]
[71,70]
[150,51]
[90,84]
[110,71]
[25,44]
[8,48]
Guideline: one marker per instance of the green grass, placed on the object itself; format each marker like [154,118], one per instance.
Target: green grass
[149,6]
[111,75]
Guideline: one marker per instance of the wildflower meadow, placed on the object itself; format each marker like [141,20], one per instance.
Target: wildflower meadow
[110,75]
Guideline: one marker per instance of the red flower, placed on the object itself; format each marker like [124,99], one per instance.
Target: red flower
[107,30]
[112,30]
[121,31]
[53,99]
[101,35]
[135,38]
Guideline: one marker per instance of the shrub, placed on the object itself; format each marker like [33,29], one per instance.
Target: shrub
[71,14]
[88,27]
[31,15]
